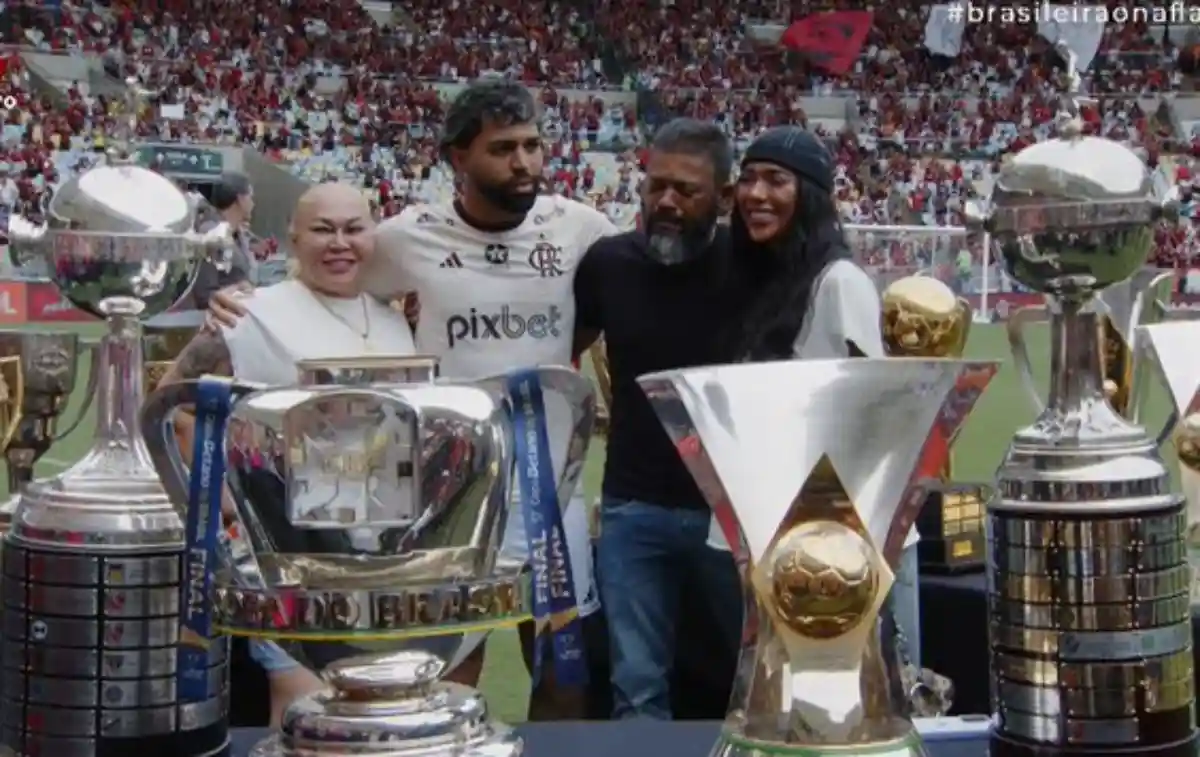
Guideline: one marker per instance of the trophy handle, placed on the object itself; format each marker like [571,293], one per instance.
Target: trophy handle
[89,391]
[15,400]
[1020,350]
[157,416]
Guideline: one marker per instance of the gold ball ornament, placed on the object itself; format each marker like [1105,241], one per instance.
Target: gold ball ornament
[923,318]
[823,579]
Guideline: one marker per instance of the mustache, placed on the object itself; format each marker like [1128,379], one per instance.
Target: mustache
[512,184]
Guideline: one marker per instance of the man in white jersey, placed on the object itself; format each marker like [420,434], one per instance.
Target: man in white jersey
[493,271]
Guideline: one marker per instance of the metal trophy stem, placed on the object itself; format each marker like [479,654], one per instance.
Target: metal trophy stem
[118,455]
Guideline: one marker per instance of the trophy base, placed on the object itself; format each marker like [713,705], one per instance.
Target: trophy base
[390,705]
[1000,745]
[734,745]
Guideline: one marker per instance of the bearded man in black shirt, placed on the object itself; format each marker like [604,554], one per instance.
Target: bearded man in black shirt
[661,297]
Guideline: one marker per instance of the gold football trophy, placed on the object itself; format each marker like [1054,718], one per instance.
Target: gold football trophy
[37,376]
[923,319]
[816,462]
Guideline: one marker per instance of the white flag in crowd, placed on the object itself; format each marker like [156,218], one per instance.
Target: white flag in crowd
[943,34]
[1080,26]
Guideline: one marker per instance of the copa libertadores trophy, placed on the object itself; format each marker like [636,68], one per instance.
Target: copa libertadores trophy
[1174,347]
[814,460]
[93,560]
[1091,636]
[372,515]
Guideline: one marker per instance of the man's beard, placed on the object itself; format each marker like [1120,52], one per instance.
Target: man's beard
[503,197]
[670,247]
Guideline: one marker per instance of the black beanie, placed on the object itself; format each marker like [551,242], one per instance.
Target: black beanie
[795,149]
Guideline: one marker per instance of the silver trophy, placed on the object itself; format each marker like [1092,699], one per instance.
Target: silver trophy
[92,561]
[372,515]
[810,468]
[1174,345]
[1091,637]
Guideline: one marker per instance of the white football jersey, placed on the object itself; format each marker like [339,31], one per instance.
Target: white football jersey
[490,301]
[498,301]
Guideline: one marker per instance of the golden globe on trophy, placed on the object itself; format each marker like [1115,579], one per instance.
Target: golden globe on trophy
[815,463]
[923,319]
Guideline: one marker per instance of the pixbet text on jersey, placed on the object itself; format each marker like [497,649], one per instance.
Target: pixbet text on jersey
[504,324]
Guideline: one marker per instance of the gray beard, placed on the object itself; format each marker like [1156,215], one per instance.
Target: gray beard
[668,249]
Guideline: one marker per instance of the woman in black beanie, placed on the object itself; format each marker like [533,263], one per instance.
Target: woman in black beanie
[811,299]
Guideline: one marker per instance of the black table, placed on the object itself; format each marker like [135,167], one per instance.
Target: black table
[954,637]
[631,738]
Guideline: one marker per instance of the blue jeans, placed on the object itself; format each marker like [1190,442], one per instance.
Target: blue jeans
[905,602]
[644,557]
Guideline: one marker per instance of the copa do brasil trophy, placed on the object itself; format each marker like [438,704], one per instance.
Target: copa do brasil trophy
[372,501]
[1091,636]
[809,467]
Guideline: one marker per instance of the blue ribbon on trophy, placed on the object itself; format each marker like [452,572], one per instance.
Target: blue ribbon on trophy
[555,605]
[201,536]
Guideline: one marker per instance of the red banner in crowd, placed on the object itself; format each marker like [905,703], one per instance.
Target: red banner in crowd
[830,40]
[47,304]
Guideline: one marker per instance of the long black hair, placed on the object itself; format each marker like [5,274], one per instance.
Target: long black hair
[783,272]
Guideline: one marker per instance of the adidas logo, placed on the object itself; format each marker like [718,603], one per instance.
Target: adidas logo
[452,261]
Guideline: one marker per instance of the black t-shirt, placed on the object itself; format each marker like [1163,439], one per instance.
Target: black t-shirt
[654,317]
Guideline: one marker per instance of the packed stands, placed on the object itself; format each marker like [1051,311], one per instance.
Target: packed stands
[921,134]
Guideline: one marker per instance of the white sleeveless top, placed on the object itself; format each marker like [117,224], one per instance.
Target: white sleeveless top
[288,322]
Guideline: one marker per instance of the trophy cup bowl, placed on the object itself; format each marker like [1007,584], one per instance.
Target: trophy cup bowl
[1088,585]
[816,461]
[92,562]
[372,516]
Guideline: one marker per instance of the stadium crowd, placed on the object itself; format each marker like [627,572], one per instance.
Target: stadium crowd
[250,71]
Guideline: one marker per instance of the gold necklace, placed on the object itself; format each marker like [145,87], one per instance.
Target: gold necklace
[365,334]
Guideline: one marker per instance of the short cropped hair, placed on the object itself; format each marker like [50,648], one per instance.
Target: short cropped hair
[225,193]
[485,101]
[690,136]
